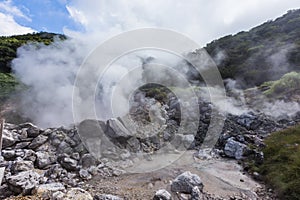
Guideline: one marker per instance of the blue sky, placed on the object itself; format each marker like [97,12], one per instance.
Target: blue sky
[42,15]
[200,19]
[46,15]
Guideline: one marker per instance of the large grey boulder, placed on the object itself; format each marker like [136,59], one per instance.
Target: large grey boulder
[38,141]
[32,130]
[8,139]
[8,154]
[68,163]
[44,159]
[162,194]
[115,129]
[185,183]
[92,135]
[23,182]
[234,149]
[22,165]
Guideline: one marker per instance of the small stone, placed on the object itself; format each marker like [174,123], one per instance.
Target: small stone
[185,183]
[75,156]
[106,197]
[88,160]
[78,194]
[196,193]
[84,174]
[93,170]
[46,191]
[29,155]
[23,134]
[58,195]
[162,194]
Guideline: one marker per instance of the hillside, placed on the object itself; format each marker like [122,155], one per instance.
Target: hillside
[8,51]
[264,53]
[10,44]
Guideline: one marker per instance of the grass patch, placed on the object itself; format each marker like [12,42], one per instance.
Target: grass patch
[8,84]
[281,167]
[286,83]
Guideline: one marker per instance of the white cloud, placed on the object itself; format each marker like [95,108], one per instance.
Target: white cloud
[8,8]
[8,13]
[200,19]
[10,27]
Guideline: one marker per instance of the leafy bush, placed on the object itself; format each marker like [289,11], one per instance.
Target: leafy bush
[281,167]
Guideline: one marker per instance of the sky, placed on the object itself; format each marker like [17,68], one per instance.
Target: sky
[202,20]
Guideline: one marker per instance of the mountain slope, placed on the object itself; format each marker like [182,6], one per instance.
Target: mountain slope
[9,46]
[264,53]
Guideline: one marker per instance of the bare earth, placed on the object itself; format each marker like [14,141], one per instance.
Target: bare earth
[221,177]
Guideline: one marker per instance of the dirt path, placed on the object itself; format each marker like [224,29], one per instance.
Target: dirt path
[222,177]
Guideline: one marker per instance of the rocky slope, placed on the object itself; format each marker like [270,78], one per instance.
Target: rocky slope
[54,163]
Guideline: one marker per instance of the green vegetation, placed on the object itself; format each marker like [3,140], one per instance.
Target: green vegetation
[8,84]
[248,55]
[287,83]
[8,51]
[281,167]
[9,46]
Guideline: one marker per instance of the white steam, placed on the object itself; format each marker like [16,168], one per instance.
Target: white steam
[50,71]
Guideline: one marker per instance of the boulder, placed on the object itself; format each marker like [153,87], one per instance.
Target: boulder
[78,194]
[22,145]
[46,191]
[115,129]
[234,149]
[162,194]
[185,183]
[68,163]
[87,160]
[23,182]
[44,159]
[8,154]
[7,139]
[196,194]
[22,165]
[2,170]
[32,130]
[183,142]
[38,141]
[249,120]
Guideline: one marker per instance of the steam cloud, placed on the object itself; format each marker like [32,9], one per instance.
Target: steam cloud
[50,71]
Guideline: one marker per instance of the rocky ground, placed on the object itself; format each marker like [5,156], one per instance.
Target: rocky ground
[112,160]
